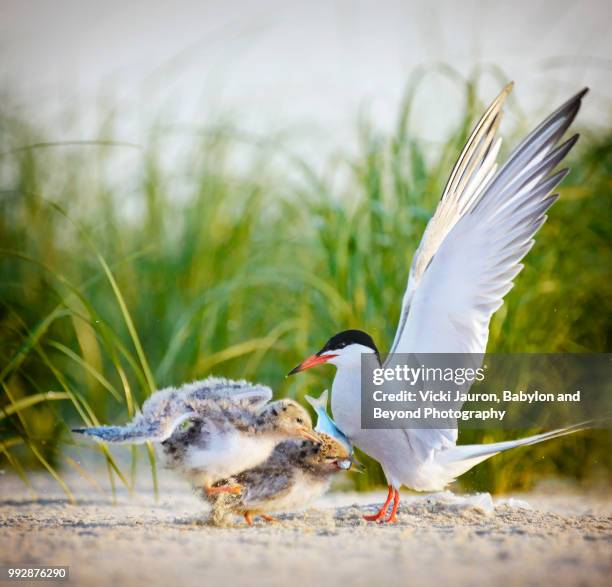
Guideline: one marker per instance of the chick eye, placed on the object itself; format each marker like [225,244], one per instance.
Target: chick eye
[299,420]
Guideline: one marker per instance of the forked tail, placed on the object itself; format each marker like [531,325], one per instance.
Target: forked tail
[459,459]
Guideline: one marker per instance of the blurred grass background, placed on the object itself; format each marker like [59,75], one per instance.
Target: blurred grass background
[244,259]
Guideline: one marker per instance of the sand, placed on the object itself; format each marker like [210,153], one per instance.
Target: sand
[539,539]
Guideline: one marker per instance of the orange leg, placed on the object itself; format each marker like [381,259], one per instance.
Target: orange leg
[248,519]
[383,510]
[233,489]
[268,518]
[392,516]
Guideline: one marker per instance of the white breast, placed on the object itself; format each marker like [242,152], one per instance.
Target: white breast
[227,455]
[391,448]
[304,490]
[346,401]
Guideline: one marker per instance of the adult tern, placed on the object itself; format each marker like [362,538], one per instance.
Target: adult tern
[468,257]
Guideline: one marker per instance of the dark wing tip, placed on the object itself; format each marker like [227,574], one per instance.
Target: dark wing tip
[562,173]
[577,98]
[572,105]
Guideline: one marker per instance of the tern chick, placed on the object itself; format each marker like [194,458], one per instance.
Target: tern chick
[297,473]
[212,429]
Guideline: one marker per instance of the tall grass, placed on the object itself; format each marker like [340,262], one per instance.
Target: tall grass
[119,276]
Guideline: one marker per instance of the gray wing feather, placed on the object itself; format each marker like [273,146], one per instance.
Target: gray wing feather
[166,409]
[474,168]
[132,433]
[243,393]
[512,203]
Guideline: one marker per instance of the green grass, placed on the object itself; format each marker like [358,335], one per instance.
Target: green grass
[242,260]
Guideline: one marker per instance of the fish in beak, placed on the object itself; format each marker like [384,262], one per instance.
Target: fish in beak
[357,466]
[350,464]
[311,362]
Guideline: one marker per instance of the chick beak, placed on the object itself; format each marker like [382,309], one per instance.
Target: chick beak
[311,362]
[309,434]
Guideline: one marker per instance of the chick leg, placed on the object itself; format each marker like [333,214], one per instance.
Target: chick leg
[248,518]
[234,489]
[383,510]
[268,518]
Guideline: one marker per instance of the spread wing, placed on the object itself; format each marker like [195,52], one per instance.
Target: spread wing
[241,393]
[211,400]
[473,170]
[472,247]
[162,413]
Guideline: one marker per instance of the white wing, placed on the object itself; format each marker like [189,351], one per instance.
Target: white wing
[473,245]
[474,169]
[464,268]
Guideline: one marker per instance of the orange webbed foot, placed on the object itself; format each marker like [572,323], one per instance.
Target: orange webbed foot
[382,511]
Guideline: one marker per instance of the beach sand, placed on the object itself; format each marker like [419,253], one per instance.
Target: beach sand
[539,539]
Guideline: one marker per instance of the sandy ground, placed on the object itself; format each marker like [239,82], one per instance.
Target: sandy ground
[440,540]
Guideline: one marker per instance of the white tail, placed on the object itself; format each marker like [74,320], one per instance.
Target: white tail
[459,459]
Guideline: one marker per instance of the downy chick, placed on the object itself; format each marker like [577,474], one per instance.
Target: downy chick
[297,473]
[212,429]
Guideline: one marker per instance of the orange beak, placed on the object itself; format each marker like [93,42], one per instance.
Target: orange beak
[311,362]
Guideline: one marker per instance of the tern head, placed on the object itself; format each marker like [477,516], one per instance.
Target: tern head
[342,350]
[286,418]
